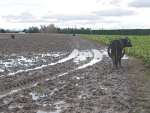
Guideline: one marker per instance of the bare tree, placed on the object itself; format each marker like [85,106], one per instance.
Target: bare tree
[51,28]
[43,28]
[48,29]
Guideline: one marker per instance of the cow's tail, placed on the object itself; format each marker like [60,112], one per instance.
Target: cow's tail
[115,52]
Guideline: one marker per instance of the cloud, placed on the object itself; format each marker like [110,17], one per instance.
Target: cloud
[110,21]
[97,1]
[35,21]
[139,3]
[22,16]
[26,17]
[69,17]
[115,2]
[115,12]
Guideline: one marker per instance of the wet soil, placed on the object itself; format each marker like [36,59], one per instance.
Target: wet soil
[65,74]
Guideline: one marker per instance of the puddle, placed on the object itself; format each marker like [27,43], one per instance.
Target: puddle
[41,111]
[58,108]
[97,57]
[53,91]
[78,77]
[84,96]
[75,55]
[104,88]
[34,97]
[13,91]
[82,55]
[22,61]
[15,106]
[16,89]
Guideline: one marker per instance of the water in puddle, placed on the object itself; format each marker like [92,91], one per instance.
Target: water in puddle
[34,96]
[57,107]
[15,106]
[23,61]
[96,58]
[13,91]
[78,77]
[16,89]
[75,55]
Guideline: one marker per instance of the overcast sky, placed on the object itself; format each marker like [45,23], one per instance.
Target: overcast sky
[94,14]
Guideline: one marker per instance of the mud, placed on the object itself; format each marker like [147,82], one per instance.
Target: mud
[62,74]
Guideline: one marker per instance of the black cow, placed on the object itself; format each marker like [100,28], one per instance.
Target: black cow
[116,50]
[12,36]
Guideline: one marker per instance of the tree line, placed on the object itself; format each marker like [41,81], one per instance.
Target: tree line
[51,28]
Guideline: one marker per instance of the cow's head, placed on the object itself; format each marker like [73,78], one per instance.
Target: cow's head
[127,42]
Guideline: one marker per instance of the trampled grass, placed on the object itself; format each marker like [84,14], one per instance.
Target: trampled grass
[140,49]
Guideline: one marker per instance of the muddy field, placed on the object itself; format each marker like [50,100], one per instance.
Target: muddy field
[62,74]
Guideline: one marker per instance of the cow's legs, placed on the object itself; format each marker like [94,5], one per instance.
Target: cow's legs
[119,62]
[115,64]
[114,67]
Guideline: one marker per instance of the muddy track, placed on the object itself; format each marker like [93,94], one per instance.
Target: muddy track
[61,74]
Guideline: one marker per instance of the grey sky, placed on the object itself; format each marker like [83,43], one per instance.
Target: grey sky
[94,14]
[140,4]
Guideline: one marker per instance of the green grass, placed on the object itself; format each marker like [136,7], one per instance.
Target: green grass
[41,90]
[140,104]
[10,51]
[3,49]
[140,49]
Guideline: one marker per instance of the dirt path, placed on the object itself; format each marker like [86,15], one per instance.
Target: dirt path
[62,74]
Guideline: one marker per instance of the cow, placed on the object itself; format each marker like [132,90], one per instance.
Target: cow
[12,36]
[116,50]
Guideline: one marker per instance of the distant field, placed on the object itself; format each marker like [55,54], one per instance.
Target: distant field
[140,49]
